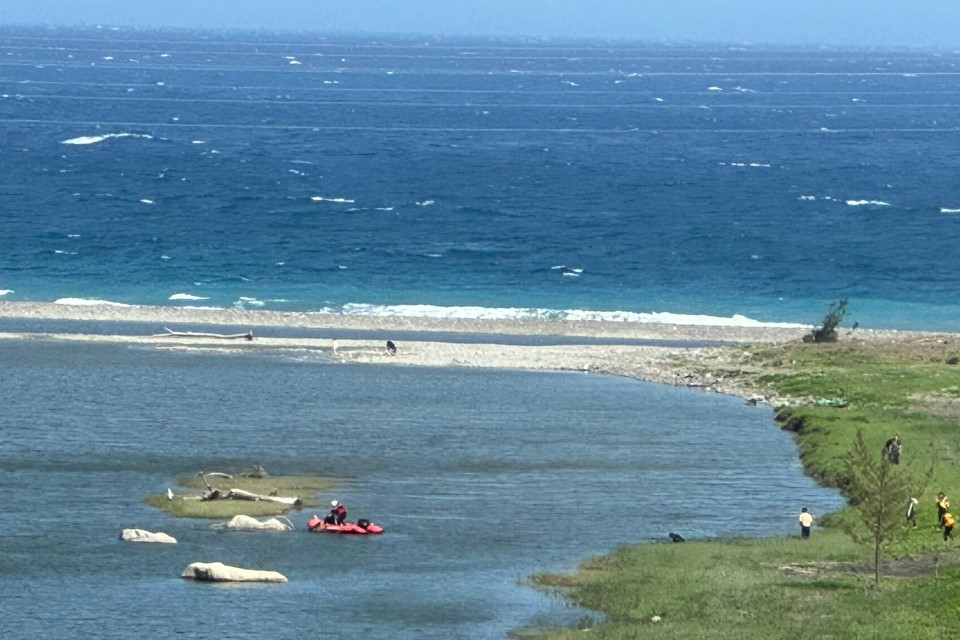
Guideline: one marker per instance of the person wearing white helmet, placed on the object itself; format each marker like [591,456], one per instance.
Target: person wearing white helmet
[337,514]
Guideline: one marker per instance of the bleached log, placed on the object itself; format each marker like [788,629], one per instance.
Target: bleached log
[240,494]
[196,334]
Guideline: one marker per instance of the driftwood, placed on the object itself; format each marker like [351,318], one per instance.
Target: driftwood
[258,472]
[195,334]
[240,494]
[214,474]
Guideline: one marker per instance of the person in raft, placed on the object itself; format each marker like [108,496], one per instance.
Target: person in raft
[337,514]
[943,505]
[947,524]
[806,521]
[912,512]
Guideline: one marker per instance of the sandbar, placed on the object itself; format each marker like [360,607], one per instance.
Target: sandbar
[675,364]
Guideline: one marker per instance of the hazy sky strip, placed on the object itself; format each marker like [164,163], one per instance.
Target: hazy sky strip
[879,23]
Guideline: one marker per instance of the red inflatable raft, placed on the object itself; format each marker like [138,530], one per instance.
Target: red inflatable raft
[362,527]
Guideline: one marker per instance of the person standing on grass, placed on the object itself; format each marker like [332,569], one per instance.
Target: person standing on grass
[943,505]
[892,448]
[912,512]
[806,521]
[947,525]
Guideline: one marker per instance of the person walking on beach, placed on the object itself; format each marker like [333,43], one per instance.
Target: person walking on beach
[943,505]
[947,525]
[912,512]
[806,521]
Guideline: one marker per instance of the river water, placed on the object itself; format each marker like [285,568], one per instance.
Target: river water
[480,477]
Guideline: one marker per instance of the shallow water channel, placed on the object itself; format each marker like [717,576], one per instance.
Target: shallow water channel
[479,477]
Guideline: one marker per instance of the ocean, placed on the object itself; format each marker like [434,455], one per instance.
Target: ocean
[479,178]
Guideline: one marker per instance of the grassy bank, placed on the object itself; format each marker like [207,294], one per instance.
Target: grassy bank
[760,589]
[822,588]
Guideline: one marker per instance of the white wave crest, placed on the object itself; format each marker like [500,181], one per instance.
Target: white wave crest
[87,302]
[95,139]
[186,296]
[861,203]
[946,210]
[746,164]
[340,200]
[4,292]
[566,315]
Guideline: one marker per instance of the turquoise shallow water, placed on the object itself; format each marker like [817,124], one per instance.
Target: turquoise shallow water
[480,478]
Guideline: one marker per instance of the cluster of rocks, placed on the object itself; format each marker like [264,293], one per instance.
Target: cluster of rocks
[217,571]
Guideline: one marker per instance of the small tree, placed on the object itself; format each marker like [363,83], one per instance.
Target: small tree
[879,491]
[827,331]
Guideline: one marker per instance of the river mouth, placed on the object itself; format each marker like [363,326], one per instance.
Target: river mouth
[480,478]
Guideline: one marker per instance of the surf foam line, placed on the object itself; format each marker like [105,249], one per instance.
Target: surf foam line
[567,315]
[90,302]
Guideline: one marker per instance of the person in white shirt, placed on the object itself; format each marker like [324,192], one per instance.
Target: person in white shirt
[806,521]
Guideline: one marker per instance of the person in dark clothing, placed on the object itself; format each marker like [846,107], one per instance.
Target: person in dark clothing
[391,348]
[892,449]
[337,514]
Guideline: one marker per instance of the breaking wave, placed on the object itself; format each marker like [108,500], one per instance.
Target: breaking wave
[108,136]
[565,315]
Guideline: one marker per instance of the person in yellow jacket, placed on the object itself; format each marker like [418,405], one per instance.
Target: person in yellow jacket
[947,525]
[943,505]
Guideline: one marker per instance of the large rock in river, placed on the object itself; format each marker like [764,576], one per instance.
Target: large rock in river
[142,535]
[219,572]
[246,523]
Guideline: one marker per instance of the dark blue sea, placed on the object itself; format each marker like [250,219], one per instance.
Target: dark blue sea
[441,177]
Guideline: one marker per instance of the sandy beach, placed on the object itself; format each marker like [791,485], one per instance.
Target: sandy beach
[676,365]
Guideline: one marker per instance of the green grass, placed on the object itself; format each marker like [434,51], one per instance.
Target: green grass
[736,588]
[183,506]
[739,589]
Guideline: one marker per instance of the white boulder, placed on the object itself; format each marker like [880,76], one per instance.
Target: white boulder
[219,572]
[142,535]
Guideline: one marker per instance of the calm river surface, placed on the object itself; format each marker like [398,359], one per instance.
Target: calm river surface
[479,477]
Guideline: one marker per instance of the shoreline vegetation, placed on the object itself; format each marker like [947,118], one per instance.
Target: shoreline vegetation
[877,382]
